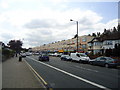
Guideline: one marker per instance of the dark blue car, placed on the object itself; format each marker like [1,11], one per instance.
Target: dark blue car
[105,61]
[43,57]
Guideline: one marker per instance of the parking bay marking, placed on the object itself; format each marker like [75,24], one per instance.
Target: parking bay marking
[72,75]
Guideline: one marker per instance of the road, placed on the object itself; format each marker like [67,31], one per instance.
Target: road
[67,74]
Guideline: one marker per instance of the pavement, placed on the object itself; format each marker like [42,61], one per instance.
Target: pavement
[17,74]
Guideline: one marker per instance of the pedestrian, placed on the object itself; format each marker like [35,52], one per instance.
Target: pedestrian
[16,54]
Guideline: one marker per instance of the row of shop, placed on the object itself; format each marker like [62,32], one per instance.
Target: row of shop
[67,45]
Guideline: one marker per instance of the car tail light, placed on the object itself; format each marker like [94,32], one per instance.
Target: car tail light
[115,61]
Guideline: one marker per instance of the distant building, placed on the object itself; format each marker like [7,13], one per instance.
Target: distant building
[99,46]
[95,45]
[84,42]
[69,45]
[110,44]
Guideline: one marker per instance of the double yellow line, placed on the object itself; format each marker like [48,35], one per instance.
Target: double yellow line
[39,77]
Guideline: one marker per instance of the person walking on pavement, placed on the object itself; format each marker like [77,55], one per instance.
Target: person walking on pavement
[16,54]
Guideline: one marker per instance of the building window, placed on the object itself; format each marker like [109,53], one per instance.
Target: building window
[84,46]
[97,43]
[109,42]
[89,44]
[84,39]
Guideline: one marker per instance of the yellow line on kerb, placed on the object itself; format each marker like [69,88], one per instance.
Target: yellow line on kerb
[36,73]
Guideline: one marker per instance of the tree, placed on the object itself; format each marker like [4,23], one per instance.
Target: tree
[93,34]
[105,31]
[118,28]
[114,30]
[7,53]
[98,34]
[15,45]
[118,33]
[89,35]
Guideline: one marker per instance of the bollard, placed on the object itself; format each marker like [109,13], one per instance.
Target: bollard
[20,58]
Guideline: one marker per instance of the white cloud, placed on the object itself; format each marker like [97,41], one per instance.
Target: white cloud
[4,4]
[111,24]
[47,25]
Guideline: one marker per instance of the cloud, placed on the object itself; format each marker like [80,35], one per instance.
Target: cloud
[38,38]
[47,25]
[112,23]
[36,23]
[4,4]
[4,36]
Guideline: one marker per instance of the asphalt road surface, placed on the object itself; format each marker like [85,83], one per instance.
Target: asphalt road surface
[67,74]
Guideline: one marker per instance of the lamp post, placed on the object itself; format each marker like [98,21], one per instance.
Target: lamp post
[77,32]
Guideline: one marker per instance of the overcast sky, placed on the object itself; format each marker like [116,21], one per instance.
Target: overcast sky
[38,22]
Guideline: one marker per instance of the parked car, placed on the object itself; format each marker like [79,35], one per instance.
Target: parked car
[23,55]
[66,57]
[105,61]
[43,57]
[81,57]
[59,54]
[36,53]
[28,54]
[56,54]
[51,54]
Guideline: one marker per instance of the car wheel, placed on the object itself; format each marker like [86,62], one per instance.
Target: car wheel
[65,59]
[80,61]
[106,65]
[91,63]
[71,60]
[61,58]
[40,59]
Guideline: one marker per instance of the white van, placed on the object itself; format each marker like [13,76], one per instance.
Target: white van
[81,57]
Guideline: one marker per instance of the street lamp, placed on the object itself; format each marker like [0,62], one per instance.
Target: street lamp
[77,32]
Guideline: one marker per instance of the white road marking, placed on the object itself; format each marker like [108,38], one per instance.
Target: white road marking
[75,76]
[86,69]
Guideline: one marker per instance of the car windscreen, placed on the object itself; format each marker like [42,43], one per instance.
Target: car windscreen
[110,59]
[44,55]
[83,55]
